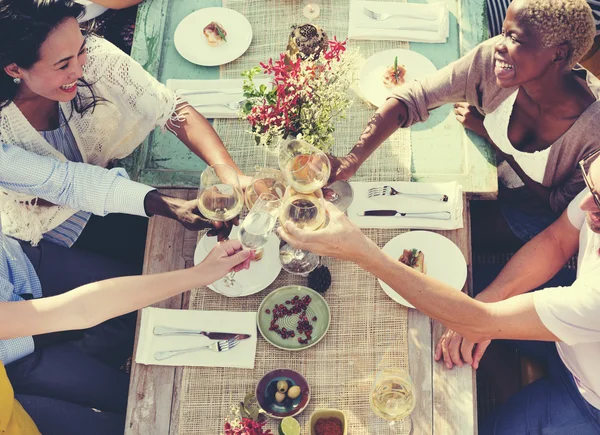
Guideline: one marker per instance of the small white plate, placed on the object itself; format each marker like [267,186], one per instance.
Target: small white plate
[191,43]
[261,273]
[443,259]
[370,80]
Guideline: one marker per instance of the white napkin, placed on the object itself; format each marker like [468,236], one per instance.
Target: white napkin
[242,356]
[408,204]
[406,26]
[92,10]
[210,103]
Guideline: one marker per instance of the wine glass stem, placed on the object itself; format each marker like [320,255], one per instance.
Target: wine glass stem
[229,280]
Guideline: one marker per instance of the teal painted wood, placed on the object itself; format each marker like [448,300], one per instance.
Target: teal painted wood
[442,150]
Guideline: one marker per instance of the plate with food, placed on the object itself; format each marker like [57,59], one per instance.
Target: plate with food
[293,317]
[387,70]
[282,393]
[213,36]
[429,253]
[262,271]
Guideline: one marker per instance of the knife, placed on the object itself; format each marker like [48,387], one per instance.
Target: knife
[443,215]
[164,330]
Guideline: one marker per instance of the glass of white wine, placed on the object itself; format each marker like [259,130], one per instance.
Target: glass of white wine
[266,180]
[393,395]
[220,199]
[305,167]
[306,211]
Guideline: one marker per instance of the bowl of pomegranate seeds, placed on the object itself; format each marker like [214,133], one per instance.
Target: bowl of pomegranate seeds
[327,421]
[293,317]
[283,393]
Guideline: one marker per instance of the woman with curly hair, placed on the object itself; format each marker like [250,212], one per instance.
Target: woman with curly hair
[525,93]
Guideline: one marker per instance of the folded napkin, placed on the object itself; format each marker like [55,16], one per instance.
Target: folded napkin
[410,22]
[242,356]
[407,204]
[215,94]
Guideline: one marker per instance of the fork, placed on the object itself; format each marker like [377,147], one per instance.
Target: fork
[390,191]
[382,16]
[217,346]
[233,105]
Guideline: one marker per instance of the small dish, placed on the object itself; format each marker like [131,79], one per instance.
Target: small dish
[317,314]
[267,387]
[327,413]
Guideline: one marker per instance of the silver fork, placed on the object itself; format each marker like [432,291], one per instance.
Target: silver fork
[382,16]
[390,191]
[217,346]
[233,105]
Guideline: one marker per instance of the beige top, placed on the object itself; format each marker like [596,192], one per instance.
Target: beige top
[472,79]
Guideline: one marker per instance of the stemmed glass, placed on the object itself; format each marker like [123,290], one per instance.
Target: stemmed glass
[266,180]
[392,395]
[220,199]
[311,9]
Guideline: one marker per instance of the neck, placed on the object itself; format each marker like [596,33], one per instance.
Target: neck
[561,84]
[41,112]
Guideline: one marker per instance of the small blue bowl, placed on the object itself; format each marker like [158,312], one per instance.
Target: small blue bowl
[267,387]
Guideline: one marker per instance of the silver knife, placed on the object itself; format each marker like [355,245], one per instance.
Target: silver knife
[442,215]
[165,330]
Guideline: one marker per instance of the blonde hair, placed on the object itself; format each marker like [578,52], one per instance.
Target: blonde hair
[561,21]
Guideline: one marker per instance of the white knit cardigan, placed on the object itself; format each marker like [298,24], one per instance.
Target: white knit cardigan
[135,104]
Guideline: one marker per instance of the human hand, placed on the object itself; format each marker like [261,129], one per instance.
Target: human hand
[225,257]
[470,118]
[188,214]
[342,168]
[340,238]
[245,181]
[454,349]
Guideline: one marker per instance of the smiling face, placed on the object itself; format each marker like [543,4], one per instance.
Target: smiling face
[519,55]
[61,58]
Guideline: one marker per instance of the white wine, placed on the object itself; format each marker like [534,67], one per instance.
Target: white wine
[220,202]
[308,173]
[305,211]
[255,230]
[264,185]
[392,398]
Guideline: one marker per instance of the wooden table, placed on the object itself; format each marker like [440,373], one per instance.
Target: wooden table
[446,398]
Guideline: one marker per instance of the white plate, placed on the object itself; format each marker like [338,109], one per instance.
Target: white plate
[261,273]
[370,80]
[192,45]
[443,259]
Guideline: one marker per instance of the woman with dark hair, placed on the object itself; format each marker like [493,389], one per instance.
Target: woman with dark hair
[76,97]
[541,113]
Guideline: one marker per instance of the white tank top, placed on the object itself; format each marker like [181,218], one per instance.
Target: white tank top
[533,164]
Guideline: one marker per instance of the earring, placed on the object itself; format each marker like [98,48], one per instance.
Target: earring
[17,81]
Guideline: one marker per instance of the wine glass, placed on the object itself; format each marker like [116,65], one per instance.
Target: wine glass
[305,167]
[393,395]
[340,194]
[266,180]
[311,9]
[306,211]
[258,224]
[220,199]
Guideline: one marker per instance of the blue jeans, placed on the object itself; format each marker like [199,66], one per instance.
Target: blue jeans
[551,405]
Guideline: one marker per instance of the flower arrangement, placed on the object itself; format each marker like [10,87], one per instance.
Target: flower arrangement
[246,426]
[308,94]
[245,418]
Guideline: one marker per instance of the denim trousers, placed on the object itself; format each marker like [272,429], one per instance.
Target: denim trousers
[551,405]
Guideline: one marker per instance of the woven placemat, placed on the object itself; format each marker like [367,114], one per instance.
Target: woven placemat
[368,330]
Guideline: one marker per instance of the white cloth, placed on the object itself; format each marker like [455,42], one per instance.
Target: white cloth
[241,356]
[92,10]
[533,164]
[410,22]
[135,103]
[572,313]
[407,204]
[213,95]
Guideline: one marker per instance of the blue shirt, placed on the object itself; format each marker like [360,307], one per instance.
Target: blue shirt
[76,185]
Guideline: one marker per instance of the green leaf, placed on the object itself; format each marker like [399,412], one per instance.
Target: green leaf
[220,32]
[396,65]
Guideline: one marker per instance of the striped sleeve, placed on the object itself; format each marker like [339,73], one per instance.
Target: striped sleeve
[595,5]
[496,13]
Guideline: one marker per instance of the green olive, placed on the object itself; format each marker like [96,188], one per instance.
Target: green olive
[293,392]
[279,397]
[282,386]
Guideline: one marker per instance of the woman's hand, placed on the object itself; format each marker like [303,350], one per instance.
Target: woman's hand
[342,168]
[190,217]
[225,257]
[453,349]
[340,238]
[470,118]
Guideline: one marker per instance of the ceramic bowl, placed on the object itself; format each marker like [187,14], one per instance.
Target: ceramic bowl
[327,413]
[267,387]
